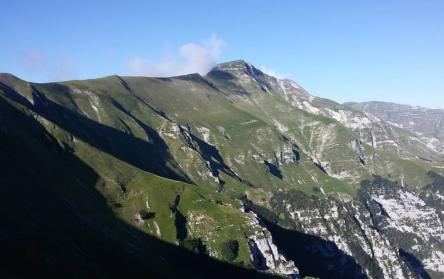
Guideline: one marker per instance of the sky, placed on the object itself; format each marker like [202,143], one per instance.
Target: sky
[383,50]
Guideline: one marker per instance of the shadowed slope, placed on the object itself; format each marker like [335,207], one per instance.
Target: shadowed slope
[148,156]
[55,223]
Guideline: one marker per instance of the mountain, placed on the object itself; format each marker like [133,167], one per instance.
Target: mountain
[236,173]
[427,124]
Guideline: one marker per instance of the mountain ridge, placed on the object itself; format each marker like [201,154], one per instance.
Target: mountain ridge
[230,165]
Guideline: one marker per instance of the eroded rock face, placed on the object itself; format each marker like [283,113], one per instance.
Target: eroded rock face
[392,233]
[264,254]
[411,221]
[357,146]
[287,155]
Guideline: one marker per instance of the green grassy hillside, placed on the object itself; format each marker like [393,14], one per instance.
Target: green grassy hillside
[137,175]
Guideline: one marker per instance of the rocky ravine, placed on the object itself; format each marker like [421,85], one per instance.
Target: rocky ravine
[391,233]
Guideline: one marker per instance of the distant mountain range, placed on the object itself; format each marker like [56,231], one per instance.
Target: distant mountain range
[236,173]
[426,123]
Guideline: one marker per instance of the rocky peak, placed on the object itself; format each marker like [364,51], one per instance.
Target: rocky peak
[236,67]
[245,74]
[242,72]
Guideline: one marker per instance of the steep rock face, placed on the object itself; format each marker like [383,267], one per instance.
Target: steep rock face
[358,147]
[413,224]
[391,233]
[349,233]
[264,253]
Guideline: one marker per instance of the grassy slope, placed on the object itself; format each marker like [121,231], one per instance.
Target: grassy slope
[79,199]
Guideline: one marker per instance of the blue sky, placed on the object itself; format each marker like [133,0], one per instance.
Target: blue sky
[342,50]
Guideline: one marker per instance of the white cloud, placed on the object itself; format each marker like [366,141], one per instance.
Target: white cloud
[61,68]
[193,58]
[32,60]
[273,73]
[38,62]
